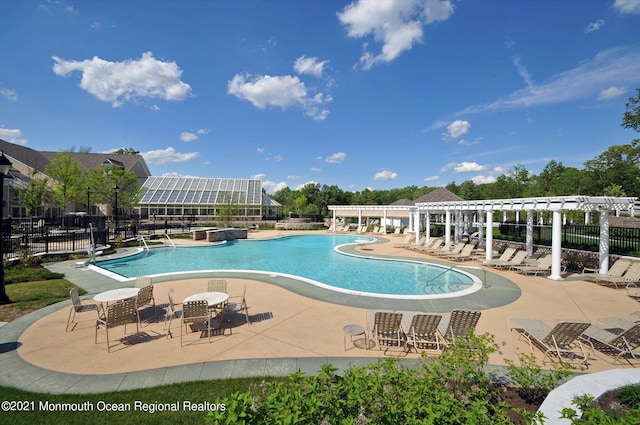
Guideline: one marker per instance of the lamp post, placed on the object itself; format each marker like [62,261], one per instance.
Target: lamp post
[5,166]
[116,189]
[86,221]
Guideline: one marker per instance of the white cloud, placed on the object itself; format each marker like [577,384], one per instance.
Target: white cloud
[311,66]
[336,158]
[457,129]
[395,24]
[268,185]
[385,175]
[483,179]
[278,158]
[432,179]
[468,167]
[295,178]
[260,150]
[611,93]
[627,6]
[523,71]
[187,136]
[10,94]
[13,136]
[620,66]
[131,80]
[302,185]
[594,26]
[463,142]
[283,91]
[168,155]
[202,131]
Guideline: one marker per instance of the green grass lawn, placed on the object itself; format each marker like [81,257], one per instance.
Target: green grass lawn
[31,296]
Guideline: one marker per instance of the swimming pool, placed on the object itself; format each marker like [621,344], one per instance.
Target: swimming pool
[312,258]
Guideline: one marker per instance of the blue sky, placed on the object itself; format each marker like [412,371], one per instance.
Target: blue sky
[360,94]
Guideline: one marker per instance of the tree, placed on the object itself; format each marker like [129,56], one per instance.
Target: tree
[68,179]
[126,151]
[34,195]
[619,165]
[103,180]
[631,117]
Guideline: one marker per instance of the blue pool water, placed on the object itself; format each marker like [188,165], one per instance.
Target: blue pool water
[310,257]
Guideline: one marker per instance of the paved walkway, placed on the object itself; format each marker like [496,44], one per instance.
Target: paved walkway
[295,327]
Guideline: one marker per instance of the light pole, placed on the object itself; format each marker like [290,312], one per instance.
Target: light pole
[5,166]
[86,221]
[116,189]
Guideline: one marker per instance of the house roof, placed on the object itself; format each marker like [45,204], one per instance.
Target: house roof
[439,195]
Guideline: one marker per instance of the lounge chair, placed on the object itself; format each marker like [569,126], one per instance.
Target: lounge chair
[561,342]
[633,290]
[238,304]
[429,244]
[385,328]
[196,313]
[616,270]
[406,241]
[631,276]
[422,240]
[517,260]
[78,307]
[440,246]
[463,255]
[458,324]
[145,297]
[117,314]
[543,265]
[506,255]
[457,248]
[422,332]
[614,345]
[396,231]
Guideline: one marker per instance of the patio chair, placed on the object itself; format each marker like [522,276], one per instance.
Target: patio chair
[117,314]
[633,290]
[386,330]
[614,345]
[543,265]
[169,315]
[561,342]
[463,255]
[616,270]
[238,304]
[78,307]
[457,248]
[458,324]
[631,276]
[517,260]
[422,333]
[217,285]
[506,255]
[144,298]
[142,281]
[438,245]
[429,244]
[408,237]
[196,313]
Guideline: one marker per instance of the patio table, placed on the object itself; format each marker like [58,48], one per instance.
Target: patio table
[115,295]
[214,299]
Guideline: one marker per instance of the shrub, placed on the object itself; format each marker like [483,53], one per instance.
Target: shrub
[534,383]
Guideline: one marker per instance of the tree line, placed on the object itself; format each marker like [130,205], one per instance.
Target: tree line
[614,172]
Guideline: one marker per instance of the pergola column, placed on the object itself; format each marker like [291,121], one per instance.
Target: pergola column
[416,225]
[428,226]
[359,218]
[384,221]
[604,242]
[334,221]
[556,246]
[529,234]
[447,226]
[489,228]
[480,229]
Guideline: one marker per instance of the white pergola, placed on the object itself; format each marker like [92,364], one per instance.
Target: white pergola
[557,204]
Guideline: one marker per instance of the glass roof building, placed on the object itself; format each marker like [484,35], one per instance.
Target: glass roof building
[205,197]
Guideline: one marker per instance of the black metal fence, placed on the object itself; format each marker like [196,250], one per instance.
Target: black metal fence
[622,240]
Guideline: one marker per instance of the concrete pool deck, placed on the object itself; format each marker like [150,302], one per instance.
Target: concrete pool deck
[294,327]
